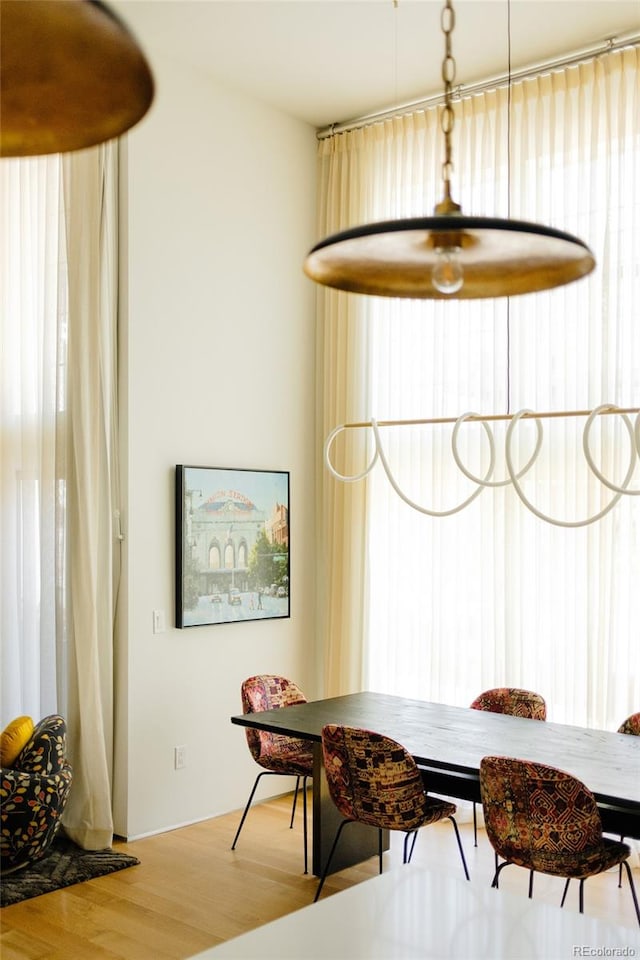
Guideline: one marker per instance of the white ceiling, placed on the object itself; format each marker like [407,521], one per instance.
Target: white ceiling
[327,61]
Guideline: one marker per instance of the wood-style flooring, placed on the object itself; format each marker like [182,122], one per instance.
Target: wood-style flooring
[192,891]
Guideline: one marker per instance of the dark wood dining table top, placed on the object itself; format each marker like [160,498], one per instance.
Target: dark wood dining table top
[455,739]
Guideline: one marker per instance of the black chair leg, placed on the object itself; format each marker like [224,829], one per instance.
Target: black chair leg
[264,773]
[295,797]
[330,858]
[620,867]
[475,826]
[407,857]
[414,834]
[633,888]
[464,862]
[580,894]
[530,884]
[272,773]
[634,896]
[496,878]
[380,848]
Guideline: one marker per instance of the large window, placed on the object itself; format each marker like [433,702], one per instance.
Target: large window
[34,391]
[443,607]
[59,503]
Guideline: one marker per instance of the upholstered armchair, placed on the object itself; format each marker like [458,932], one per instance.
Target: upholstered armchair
[33,793]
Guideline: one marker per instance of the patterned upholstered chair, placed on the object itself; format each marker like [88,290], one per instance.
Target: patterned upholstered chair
[515,702]
[33,794]
[278,755]
[374,780]
[546,820]
[631,725]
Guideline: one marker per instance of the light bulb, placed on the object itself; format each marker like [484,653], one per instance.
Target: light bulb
[447,274]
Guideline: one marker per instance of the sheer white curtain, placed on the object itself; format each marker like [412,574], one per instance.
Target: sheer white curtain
[60,550]
[493,595]
[32,340]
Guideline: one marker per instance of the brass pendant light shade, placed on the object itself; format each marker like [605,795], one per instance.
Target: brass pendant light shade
[496,258]
[71,76]
[449,255]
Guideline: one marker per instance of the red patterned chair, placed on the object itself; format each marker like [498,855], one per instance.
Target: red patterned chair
[546,820]
[278,755]
[514,702]
[33,794]
[631,725]
[374,780]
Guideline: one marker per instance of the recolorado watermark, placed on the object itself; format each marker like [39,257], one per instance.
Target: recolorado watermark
[584,951]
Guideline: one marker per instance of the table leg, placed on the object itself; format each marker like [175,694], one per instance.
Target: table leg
[620,821]
[358,841]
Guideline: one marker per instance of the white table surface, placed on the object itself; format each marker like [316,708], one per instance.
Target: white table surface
[410,912]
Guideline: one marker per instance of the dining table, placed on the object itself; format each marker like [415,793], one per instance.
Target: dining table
[448,743]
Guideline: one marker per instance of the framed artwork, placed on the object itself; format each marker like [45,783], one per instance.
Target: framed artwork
[232,545]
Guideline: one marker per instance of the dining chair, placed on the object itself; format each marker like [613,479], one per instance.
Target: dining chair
[372,779]
[546,820]
[279,755]
[514,702]
[629,726]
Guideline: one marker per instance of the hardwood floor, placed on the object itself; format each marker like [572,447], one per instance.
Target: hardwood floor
[192,891]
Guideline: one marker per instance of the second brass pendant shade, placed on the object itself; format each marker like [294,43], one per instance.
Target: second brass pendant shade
[497,258]
[448,255]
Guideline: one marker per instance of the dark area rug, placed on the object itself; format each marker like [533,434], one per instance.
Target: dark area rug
[65,865]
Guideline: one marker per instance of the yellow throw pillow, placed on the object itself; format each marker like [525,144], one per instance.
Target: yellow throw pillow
[13,738]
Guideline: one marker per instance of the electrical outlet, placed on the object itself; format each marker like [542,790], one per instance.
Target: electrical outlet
[179,757]
[159,624]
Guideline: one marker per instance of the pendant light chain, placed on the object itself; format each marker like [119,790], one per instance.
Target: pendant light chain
[509,195]
[448,255]
[447,115]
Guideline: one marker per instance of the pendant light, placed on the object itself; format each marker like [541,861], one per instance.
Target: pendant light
[449,255]
[71,76]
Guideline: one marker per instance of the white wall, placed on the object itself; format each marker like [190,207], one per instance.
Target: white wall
[218,361]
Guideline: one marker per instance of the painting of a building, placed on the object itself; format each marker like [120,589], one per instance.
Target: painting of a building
[235,535]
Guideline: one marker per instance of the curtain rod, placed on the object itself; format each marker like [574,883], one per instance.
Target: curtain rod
[481,86]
